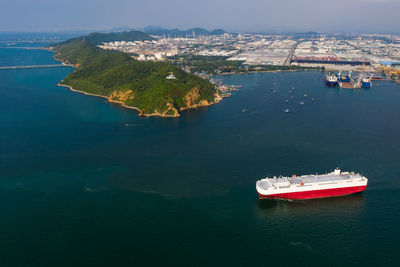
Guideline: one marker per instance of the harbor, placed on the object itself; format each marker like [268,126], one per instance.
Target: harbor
[223,89]
[348,80]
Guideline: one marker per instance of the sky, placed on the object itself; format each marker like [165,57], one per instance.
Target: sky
[381,16]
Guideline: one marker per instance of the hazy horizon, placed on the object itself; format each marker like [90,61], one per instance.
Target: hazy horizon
[351,16]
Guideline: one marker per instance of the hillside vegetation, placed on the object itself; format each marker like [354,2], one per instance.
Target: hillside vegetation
[134,83]
[99,38]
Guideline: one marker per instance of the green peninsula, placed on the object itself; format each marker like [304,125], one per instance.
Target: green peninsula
[135,84]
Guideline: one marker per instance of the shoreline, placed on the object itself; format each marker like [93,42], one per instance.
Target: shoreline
[156,114]
[259,71]
[117,102]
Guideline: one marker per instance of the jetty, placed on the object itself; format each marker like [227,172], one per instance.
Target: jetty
[347,85]
[34,66]
[25,47]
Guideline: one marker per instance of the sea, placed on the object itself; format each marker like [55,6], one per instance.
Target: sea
[84,182]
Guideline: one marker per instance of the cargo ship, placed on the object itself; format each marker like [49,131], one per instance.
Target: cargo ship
[331,80]
[332,184]
[344,77]
[366,82]
[377,77]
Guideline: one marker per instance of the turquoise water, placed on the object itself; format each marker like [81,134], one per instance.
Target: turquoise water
[84,182]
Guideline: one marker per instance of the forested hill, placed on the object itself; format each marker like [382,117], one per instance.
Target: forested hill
[133,83]
[98,38]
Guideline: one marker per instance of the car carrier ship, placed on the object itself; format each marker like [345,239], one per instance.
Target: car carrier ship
[332,184]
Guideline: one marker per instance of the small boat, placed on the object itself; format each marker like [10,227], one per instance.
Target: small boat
[286,101]
[305,95]
[286,110]
[301,103]
[274,91]
[312,99]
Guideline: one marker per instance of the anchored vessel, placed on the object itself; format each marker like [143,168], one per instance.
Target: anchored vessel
[332,184]
[366,82]
[347,81]
[344,77]
[331,80]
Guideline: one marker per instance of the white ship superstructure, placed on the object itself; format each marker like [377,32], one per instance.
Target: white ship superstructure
[336,183]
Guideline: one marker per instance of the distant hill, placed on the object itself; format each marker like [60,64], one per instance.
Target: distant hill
[151,30]
[142,85]
[122,29]
[99,38]
[217,32]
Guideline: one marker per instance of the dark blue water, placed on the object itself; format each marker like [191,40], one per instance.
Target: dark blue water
[25,44]
[84,182]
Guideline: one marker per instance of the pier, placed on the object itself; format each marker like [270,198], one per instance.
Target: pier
[347,85]
[288,60]
[25,47]
[33,66]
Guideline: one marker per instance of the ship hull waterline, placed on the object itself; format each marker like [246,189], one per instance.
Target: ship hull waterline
[314,194]
[331,83]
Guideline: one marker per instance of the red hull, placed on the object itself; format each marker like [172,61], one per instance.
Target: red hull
[317,193]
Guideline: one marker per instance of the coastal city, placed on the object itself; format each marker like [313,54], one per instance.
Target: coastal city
[371,53]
